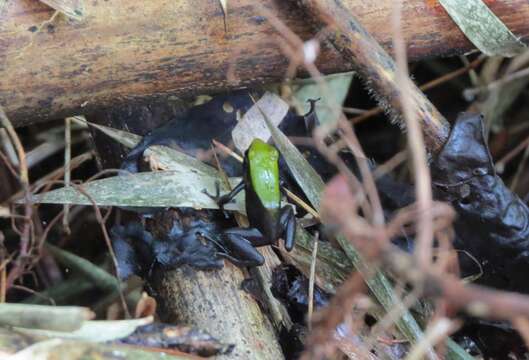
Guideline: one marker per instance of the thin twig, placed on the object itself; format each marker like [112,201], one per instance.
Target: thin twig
[471,93]
[500,165]
[26,233]
[101,221]
[67,170]
[522,326]
[519,170]
[23,168]
[474,299]
[54,175]
[391,164]
[423,186]
[312,280]
[436,332]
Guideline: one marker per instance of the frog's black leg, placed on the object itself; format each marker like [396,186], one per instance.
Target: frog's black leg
[241,252]
[224,199]
[287,224]
[253,235]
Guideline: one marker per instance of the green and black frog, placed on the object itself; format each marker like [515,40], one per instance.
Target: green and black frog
[205,244]
[269,221]
[202,243]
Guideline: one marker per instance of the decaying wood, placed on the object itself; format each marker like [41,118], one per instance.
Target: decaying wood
[135,50]
[214,301]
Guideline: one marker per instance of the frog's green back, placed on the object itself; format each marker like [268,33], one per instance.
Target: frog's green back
[264,173]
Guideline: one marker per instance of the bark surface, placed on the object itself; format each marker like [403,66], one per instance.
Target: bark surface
[137,50]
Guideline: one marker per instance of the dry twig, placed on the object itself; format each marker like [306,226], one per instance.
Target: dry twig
[476,300]
[423,184]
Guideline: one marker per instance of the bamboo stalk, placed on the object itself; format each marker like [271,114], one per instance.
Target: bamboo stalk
[126,50]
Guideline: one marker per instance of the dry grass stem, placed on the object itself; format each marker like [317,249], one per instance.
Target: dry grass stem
[423,185]
[312,278]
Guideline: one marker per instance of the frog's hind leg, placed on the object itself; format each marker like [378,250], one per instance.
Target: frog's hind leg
[287,224]
[254,236]
[241,252]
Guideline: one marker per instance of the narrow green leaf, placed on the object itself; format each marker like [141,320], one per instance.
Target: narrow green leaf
[85,350]
[3,3]
[101,278]
[169,159]
[150,189]
[58,318]
[483,28]
[72,8]
[332,267]
[97,330]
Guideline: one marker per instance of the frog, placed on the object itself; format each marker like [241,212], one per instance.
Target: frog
[269,221]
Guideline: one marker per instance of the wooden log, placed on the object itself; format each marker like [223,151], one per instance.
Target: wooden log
[126,50]
[214,301]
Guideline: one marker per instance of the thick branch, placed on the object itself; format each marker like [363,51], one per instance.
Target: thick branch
[133,50]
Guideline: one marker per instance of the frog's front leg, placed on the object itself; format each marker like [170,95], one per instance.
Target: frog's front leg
[287,225]
[226,198]
[239,245]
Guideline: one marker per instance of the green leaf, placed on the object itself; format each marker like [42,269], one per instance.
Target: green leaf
[78,350]
[72,8]
[169,159]
[84,350]
[101,278]
[483,28]
[58,318]
[150,189]
[98,330]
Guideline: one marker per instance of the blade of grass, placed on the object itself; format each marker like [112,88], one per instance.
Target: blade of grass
[58,318]
[94,330]
[166,157]
[150,189]
[101,278]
